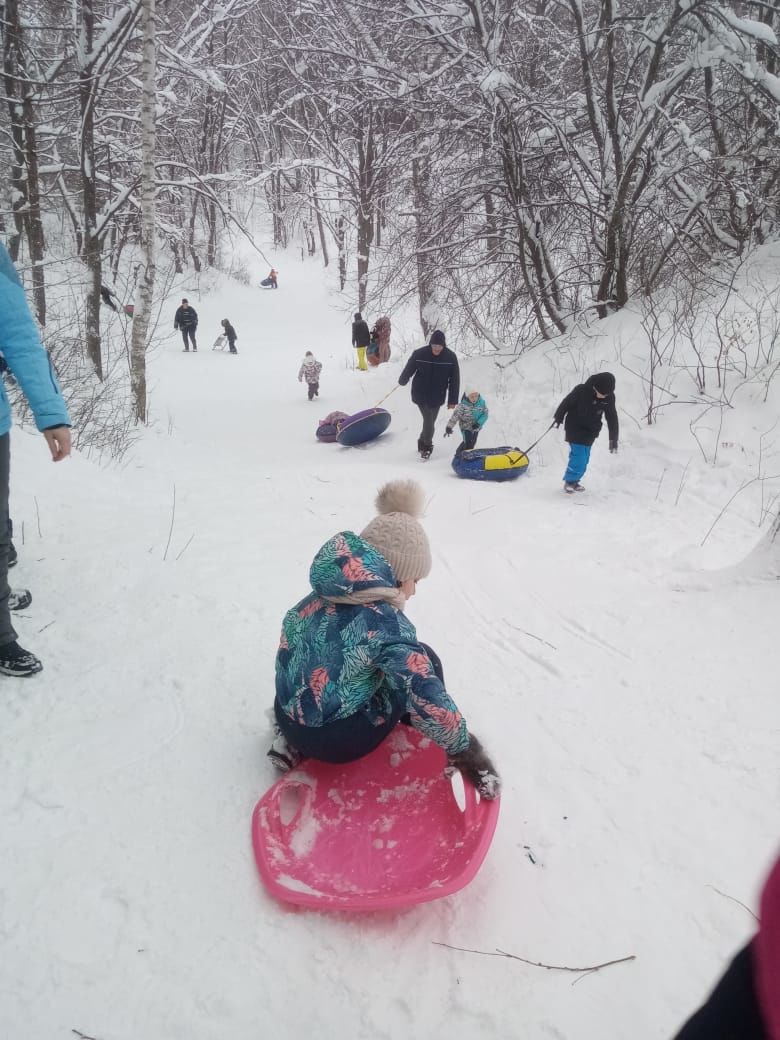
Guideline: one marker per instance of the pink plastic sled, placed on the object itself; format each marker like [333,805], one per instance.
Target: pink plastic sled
[384,832]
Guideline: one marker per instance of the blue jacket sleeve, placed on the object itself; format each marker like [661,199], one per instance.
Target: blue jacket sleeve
[408,668]
[24,352]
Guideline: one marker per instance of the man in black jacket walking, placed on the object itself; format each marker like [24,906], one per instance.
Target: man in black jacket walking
[435,376]
[361,338]
[581,413]
[186,319]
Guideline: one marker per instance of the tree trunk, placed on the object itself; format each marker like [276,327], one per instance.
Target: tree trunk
[365,206]
[24,168]
[143,309]
[91,253]
[426,275]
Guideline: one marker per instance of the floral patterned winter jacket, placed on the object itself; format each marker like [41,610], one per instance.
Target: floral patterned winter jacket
[336,659]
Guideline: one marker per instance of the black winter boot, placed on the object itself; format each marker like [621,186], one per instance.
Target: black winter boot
[14,660]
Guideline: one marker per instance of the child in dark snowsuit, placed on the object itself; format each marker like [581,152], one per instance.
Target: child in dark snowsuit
[230,334]
[310,371]
[472,414]
[581,413]
[350,668]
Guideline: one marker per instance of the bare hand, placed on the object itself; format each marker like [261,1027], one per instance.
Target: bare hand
[58,440]
[450,406]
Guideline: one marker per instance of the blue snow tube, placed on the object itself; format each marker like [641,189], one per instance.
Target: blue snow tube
[491,463]
[363,426]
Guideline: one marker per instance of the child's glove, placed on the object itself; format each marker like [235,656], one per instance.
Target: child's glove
[556,424]
[613,447]
[475,764]
[447,432]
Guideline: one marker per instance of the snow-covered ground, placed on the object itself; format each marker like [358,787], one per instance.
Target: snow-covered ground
[626,690]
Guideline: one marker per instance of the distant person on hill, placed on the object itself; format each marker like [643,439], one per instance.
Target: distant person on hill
[230,335]
[350,668]
[271,281]
[28,361]
[581,413]
[361,338]
[471,414]
[186,319]
[435,376]
[745,1004]
[108,296]
[310,371]
[379,348]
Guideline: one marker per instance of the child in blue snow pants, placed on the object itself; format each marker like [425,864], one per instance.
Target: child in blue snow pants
[581,413]
[579,456]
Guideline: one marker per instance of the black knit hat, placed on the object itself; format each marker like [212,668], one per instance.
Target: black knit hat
[358,316]
[604,382]
[437,339]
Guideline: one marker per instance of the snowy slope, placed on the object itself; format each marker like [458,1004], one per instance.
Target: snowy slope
[628,697]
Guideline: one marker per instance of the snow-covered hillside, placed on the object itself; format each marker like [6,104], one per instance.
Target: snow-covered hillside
[626,691]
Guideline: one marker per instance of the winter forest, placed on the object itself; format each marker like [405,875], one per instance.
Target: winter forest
[561,186]
[511,166]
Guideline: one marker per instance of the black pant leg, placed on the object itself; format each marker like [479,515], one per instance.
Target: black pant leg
[7,633]
[429,417]
[731,1012]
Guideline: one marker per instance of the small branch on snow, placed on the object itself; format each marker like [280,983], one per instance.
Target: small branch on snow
[186,547]
[538,638]
[83,1036]
[734,900]
[539,964]
[170,532]
[38,517]
[46,626]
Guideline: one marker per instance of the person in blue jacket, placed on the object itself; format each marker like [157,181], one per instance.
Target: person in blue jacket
[29,363]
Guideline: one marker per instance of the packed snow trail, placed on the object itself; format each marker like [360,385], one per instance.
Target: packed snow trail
[630,707]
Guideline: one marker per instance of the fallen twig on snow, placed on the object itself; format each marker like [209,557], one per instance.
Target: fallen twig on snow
[538,964]
[170,532]
[183,551]
[525,633]
[83,1036]
[734,900]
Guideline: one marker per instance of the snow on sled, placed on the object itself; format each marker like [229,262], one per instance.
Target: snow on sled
[363,426]
[491,463]
[384,832]
[220,343]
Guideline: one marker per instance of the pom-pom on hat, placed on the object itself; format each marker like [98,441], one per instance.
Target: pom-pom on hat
[397,534]
[437,339]
[604,382]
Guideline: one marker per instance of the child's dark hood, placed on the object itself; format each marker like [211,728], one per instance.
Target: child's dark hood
[604,382]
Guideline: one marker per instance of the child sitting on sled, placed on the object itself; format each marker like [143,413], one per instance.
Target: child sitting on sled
[310,371]
[472,414]
[350,668]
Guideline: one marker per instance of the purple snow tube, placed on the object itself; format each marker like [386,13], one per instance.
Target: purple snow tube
[363,426]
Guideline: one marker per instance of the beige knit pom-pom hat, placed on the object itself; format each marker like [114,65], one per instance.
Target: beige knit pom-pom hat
[396,532]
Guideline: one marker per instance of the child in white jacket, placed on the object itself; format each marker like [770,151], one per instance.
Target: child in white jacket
[310,371]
